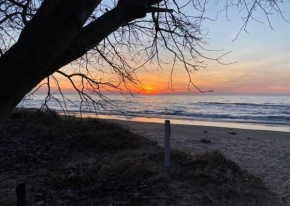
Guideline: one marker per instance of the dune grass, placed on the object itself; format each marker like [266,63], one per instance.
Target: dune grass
[72,161]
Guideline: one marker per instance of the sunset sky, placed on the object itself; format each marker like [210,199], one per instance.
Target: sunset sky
[262,59]
[262,56]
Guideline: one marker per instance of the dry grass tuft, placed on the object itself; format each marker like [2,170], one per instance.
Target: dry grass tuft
[68,161]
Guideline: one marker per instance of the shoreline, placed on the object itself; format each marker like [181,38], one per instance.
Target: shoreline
[235,125]
[262,153]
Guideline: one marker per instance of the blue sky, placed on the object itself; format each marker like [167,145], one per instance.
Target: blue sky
[262,54]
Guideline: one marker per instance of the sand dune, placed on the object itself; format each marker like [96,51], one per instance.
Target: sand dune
[264,153]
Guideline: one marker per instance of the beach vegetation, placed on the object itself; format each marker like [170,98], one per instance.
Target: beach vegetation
[72,161]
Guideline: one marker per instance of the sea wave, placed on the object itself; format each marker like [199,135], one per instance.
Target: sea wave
[181,114]
[265,110]
[245,104]
[268,119]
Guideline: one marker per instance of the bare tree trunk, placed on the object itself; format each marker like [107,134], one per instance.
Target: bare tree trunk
[16,79]
[42,41]
[54,38]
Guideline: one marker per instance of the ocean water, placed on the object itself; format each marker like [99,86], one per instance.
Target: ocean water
[263,110]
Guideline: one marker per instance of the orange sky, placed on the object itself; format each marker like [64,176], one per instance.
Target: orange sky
[262,56]
[240,78]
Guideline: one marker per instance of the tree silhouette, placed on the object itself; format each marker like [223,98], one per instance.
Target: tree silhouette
[39,37]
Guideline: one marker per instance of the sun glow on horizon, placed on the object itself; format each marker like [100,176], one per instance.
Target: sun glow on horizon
[261,69]
[148,90]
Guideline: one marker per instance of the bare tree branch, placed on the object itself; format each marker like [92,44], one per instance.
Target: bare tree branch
[110,38]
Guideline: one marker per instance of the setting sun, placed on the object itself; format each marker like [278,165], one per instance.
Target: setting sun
[148,90]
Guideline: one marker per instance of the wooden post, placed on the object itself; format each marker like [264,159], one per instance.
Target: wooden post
[167,144]
[21,194]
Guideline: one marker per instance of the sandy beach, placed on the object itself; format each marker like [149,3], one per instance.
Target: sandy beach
[68,161]
[263,153]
